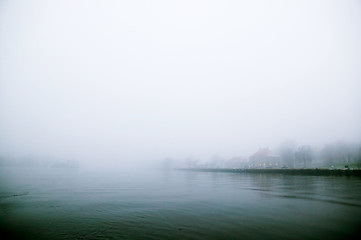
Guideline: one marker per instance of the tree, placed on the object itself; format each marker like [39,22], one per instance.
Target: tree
[303,155]
[341,153]
[286,151]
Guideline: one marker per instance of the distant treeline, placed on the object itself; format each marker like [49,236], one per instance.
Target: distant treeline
[333,154]
[337,154]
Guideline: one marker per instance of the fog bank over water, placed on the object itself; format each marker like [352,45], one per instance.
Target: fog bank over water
[138,81]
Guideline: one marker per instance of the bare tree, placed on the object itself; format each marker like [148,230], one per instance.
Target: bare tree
[286,151]
[303,155]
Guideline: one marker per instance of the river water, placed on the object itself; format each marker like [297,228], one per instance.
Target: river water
[115,204]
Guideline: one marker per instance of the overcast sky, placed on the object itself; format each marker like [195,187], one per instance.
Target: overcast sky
[140,80]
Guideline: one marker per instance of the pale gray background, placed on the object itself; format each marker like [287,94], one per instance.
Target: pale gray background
[133,81]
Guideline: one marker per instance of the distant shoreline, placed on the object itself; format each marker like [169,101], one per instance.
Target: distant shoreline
[309,172]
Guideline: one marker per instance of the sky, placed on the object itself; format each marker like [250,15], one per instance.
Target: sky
[123,81]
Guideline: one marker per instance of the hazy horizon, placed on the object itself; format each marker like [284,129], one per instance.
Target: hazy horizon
[139,81]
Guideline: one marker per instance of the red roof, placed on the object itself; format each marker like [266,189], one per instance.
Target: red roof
[263,152]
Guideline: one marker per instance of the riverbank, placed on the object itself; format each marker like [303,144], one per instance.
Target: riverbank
[311,172]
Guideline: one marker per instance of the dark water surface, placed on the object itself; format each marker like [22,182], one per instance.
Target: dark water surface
[90,204]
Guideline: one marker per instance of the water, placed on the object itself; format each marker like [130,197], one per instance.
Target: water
[91,204]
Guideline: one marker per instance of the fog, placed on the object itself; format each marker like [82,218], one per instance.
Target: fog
[123,82]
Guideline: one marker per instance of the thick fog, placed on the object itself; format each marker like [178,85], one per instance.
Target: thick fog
[139,81]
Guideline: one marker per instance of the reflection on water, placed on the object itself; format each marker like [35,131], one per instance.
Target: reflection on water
[76,203]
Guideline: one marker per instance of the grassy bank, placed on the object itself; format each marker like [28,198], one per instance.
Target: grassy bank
[311,172]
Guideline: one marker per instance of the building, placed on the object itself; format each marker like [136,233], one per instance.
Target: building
[265,158]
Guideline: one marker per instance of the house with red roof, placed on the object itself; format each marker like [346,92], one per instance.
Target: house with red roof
[265,158]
